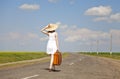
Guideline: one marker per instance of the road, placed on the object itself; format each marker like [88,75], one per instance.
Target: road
[75,66]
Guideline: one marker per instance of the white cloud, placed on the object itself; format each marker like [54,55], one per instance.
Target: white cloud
[85,36]
[61,26]
[29,7]
[104,13]
[99,11]
[22,39]
[32,35]
[43,38]
[111,18]
[14,35]
[115,17]
[101,19]
[18,36]
[10,36]
[53,1]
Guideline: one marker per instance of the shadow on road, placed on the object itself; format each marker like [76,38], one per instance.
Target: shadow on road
[52,70]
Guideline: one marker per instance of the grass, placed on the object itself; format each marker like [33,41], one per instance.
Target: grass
[115,55]
[6,57]
[65,54]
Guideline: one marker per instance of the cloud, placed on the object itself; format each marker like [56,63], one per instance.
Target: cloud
[99,11]
[103,13]
[111,18]
[101,19]
[18,36]
[13,35]
[43,38]
[75,35]
[84,34]
[10,36]
[32,35]
[29,7]
[115,17]
[53,1]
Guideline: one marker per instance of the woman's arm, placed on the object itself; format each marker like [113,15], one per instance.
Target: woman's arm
[56,37]
[43,31]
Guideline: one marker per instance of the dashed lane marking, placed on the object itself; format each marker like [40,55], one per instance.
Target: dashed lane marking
[30,77]
[71,63]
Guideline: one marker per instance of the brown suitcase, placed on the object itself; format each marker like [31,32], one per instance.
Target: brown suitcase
[57,58]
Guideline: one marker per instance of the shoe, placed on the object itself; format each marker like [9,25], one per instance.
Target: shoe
[53,70]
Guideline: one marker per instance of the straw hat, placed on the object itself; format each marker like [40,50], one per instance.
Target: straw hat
[51,27]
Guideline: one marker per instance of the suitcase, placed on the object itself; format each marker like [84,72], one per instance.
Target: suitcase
[57,58]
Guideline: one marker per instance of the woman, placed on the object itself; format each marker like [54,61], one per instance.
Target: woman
[52,45]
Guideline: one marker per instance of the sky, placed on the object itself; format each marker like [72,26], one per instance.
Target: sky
[84,25]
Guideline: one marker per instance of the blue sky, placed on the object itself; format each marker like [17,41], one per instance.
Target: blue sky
[81,24]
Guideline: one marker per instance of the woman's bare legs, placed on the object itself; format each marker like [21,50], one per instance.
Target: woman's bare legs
[51,62]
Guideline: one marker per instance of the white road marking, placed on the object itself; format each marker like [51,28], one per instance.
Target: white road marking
[80,59]
[30,77]
[71,63]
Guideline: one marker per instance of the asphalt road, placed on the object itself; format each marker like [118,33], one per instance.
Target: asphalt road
[73,67]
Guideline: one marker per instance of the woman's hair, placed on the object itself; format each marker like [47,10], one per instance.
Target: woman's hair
[51,31]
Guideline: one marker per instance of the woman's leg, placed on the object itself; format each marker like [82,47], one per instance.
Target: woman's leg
[51,61]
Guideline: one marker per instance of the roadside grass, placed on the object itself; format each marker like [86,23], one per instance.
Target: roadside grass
[7,57]
[114,55]
[65,54]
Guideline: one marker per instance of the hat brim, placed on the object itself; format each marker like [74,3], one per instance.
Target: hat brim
[51,27]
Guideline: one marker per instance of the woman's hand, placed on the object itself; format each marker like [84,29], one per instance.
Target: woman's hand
[44,28]
[57,50]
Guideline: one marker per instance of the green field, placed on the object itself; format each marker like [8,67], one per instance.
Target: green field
[6,57]
[114,55]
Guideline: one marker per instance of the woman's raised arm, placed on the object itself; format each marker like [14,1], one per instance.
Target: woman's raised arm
[43,31]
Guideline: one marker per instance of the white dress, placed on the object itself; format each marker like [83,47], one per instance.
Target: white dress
[51,45]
